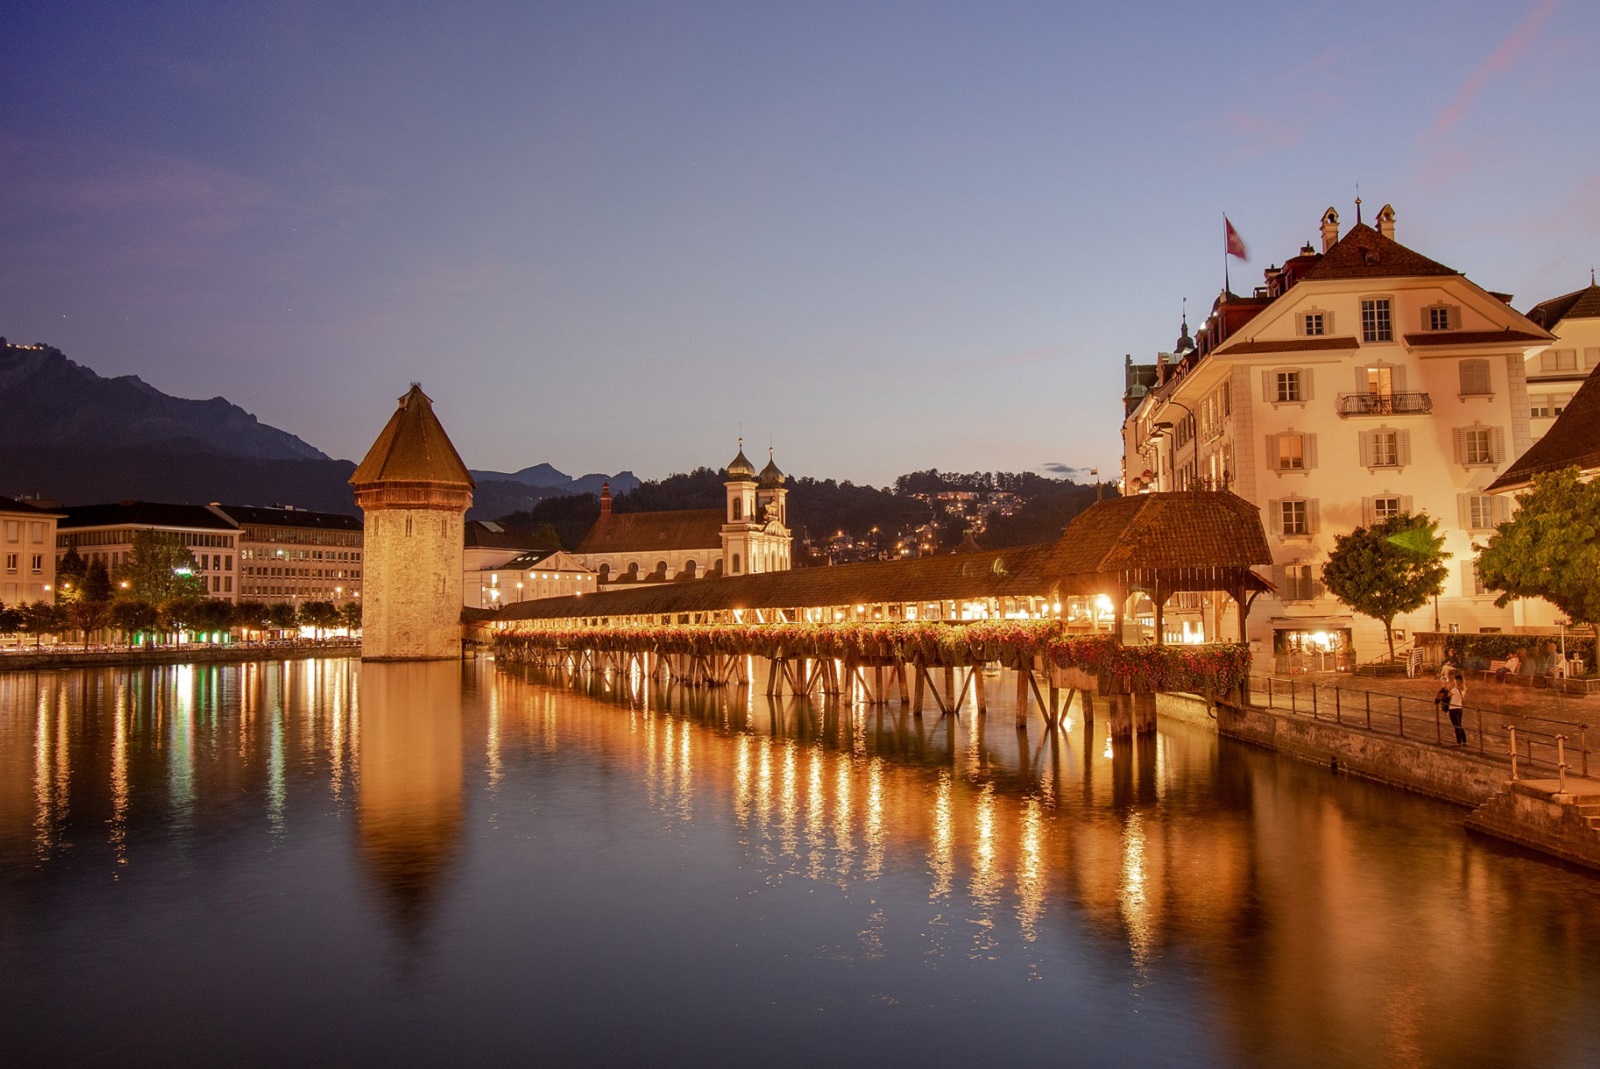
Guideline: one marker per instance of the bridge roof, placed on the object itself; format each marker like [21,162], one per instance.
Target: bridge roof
[1194,540]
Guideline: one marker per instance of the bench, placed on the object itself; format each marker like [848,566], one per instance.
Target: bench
[1494,670]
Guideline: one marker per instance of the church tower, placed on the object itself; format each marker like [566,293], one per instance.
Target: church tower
[740,518]
[414,492]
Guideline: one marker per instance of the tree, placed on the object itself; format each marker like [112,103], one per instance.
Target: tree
[40,618]
[97,583]
[350,615]
[319,614]
[1391,567]
[251,616]
[69,577]
[181,614]
[281,616]
[10,619]
[88,616]
[131,615]
[159,568]
[1551,548]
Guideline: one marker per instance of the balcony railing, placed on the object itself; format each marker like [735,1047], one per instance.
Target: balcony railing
[1385,404]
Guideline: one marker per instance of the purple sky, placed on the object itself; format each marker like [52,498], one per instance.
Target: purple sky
[607,236]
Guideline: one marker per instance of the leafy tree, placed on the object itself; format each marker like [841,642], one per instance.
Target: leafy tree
[69,576]
[213,614]
[350,615]
[40,618]
[1390,567]
[132,615]
[88,616]
[97,583]
[159,568]
[10,619]
[181,614]
[251,615]
[1551,548]
[320,615]
[281,616]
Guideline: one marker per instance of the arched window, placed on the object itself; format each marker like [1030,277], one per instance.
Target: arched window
[661,568]
[689,570]
[736,564]
[738,509]
[605,573]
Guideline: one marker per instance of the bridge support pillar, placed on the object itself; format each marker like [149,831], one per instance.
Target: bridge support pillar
[1121,726]
[1144,714]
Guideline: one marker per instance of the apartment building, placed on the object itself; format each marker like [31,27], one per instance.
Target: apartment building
[105,533]
[293,556]
[1359,381]
[27,552]
[1556,371]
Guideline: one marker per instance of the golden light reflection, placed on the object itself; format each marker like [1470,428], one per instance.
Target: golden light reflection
[1132,895]
[942,857]
[1030,869]
[874,828]
[789,799]
[120,713]
[43,780]
[843,817]
[816,811]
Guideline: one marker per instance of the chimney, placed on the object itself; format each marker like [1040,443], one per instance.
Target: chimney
[605,500]
[1330,229]
[1386,221]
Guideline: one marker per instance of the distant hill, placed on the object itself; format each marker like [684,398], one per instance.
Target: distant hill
[74,436]
[47,400]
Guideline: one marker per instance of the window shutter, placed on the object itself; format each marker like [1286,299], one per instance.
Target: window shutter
[1272,452]
[1397,379]
[1317,589]
[1497,444]
[1279,581]
[1466,579]
[1366,448]
[1405,504]
[1591,357]
[1363,384]
[1459,436]
[1308,450]
[1269,386]
[1275,517]
[1402,447]
[1366,512]
[1464,511]
[1501,509]
[1305,384]
[1313,523]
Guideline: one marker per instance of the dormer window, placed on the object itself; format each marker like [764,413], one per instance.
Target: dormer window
[1439,317]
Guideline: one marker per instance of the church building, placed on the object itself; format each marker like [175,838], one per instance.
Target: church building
[749,534]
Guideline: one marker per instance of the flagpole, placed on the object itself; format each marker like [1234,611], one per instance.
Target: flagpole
[1225,284]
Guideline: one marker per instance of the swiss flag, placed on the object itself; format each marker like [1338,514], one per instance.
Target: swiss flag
[1234,243]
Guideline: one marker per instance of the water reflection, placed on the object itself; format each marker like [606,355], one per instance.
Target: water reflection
[410,771]
[1295,916]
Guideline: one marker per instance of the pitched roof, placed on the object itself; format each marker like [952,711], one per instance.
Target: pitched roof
[1286,345]
[413,448]
[1579,304]
[1365,253]
[280,517]
[484,534]
[144,514]
[639,532]
[11,504]
[1474,337]
[1574,438]
[1192,536]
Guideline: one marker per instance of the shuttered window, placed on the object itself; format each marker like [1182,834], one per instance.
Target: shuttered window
[1385,447]
[1478,445]
[1474,378]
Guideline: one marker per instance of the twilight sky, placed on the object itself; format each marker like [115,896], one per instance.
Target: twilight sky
[883,236]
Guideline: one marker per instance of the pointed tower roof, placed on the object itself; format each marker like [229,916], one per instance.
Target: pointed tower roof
[771,478]
[413,448]
[740,467]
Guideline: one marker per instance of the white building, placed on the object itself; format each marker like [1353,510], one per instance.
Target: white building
[105,533]
[1358,382]
[544,573]
[749,534]
[1556,372]
[27,552]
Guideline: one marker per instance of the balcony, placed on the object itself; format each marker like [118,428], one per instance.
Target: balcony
[1385,404]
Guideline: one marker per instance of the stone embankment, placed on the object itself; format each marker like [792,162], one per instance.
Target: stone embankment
[1532,813]
[30,661]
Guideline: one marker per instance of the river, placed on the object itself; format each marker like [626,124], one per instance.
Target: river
[329,863]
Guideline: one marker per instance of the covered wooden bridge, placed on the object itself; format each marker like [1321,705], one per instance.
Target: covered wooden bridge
[870,629]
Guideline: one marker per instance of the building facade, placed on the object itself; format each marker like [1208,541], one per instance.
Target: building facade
[414,492]
[1358,382]
[27,552]
[545,573]
[293,556]
[106,532]
[749,535]
[1556,371]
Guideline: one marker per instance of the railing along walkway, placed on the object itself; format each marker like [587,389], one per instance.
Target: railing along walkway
[1525,740]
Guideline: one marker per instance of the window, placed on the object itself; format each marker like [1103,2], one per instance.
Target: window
[1474,378]
[11,562]
[1375,321]
[1480,512]
[1295,518]
[738,509]
[1380,382]
[13,530]
[1477,446]
[1385,508]
[1288,386]
[1472,581]
[1291,452]
[1385,449]
[1439,318]
[736,564]
[1314,323]
[1558,360]
[36,531]
[36,565]
[1547,405]
[1299,583]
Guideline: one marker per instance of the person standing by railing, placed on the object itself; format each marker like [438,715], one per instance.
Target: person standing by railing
[1458,698]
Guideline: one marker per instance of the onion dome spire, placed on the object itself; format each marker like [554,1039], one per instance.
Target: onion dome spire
[771,477]
[740,467]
